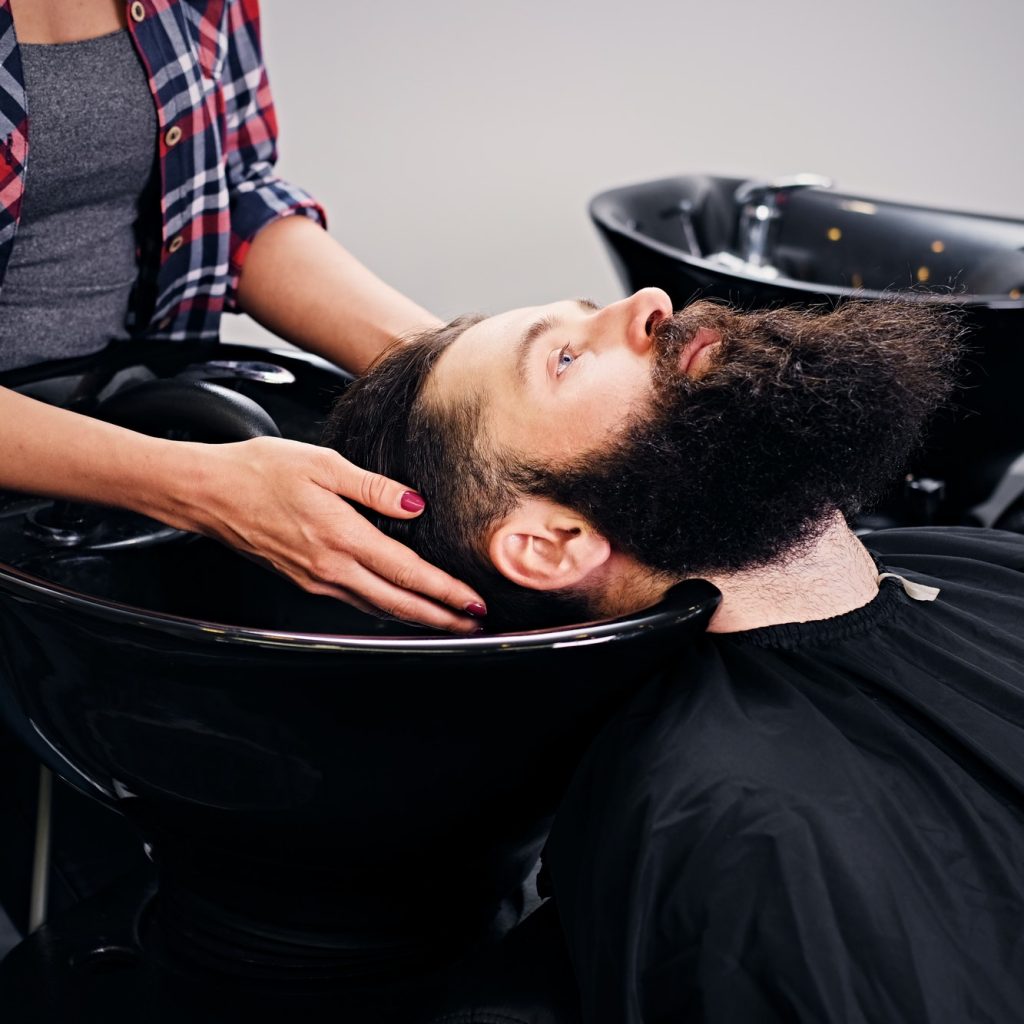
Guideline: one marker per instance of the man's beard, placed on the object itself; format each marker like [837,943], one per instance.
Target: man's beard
[796,415]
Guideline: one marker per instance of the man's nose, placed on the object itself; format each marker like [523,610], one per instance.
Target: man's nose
[634,317]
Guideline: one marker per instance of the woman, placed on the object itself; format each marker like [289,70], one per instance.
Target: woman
[138,199]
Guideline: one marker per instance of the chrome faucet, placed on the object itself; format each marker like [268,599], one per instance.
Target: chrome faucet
[758,213]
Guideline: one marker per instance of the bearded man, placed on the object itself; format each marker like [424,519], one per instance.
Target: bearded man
[816,813]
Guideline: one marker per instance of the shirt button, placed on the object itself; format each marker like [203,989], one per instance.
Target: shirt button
[138,11]
[173,135]
[175,243]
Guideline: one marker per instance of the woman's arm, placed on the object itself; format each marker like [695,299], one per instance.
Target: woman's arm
[286,271]
[303,285]
[275,499]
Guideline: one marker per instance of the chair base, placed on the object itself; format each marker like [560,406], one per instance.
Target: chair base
[90,966]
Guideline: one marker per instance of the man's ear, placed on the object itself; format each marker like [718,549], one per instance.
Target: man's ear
[545,546]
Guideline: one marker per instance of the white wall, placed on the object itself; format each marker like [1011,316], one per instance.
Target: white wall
[456,143]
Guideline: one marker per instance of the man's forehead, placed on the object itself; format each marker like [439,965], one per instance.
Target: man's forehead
[509,331]
[490,340]
[507,319]
[480,364]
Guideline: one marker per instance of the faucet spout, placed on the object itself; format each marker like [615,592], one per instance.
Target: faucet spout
[759,210]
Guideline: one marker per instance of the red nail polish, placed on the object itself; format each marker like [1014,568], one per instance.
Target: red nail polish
[476,609]
[412,502]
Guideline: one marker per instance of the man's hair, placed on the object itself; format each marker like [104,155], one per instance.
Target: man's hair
[808,450]
[383,423]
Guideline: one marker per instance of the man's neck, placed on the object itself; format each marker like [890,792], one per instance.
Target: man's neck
[832,575]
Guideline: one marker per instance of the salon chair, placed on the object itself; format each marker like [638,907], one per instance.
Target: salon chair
[342,813]
[799,240]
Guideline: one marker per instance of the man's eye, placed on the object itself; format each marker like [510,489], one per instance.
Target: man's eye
[564,361]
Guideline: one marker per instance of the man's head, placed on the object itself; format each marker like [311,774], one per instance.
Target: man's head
[577,460]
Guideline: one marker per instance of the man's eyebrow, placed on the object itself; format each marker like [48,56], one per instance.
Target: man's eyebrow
[532,333]
[526,342]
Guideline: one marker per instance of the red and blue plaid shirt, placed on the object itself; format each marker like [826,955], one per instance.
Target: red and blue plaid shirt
[217,150]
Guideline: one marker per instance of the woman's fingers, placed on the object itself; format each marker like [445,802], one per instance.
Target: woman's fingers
[389,559]
[380,570]
[399,583]
[288,504]
[378,597]
[380,493]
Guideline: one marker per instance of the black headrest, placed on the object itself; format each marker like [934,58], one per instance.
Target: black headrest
[195,408]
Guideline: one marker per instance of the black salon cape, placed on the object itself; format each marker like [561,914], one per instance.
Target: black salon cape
[816,822]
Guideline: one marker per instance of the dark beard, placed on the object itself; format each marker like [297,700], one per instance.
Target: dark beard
[798,414]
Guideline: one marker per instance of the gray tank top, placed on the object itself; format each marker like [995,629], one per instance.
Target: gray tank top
[92,154]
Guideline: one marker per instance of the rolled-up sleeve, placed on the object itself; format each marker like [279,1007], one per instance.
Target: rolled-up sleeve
[257,194]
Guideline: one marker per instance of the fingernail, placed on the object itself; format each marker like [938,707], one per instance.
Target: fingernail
[476,609]
[412,502]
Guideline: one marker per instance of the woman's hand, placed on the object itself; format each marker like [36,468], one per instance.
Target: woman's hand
[283,503]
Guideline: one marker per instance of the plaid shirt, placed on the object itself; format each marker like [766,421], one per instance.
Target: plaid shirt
[218,146]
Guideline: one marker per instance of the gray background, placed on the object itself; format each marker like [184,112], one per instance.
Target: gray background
[456,145]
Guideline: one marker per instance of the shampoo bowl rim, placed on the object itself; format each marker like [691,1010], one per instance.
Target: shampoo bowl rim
[685,601]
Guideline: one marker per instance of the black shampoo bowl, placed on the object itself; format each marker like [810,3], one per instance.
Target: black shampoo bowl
[325,794]
[801,241]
